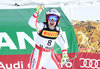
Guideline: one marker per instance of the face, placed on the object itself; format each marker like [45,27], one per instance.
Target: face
[51,23]
[52,20]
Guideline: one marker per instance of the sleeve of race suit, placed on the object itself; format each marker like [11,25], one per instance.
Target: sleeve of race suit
[62,41]
[33,22]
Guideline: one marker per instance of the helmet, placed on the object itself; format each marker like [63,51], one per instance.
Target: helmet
[53,12]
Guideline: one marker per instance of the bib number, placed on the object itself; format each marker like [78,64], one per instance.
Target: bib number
[49,42]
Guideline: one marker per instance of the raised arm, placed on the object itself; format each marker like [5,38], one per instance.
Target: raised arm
[33,19]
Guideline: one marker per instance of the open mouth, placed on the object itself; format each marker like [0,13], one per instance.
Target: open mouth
[51,24]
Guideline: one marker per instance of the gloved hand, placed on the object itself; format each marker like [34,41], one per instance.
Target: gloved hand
[39,9]
[65,59]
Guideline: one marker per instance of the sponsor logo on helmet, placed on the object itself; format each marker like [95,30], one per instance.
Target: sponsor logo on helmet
[52,10]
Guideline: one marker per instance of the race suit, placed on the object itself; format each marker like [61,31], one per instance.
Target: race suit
[42,55]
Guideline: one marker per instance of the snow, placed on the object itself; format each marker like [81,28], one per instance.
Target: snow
[73,9]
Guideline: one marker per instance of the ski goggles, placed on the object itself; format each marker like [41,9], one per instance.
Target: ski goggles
[53,17]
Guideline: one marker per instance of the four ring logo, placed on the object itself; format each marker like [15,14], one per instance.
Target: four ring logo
[90,63]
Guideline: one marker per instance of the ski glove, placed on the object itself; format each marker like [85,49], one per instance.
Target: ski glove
[65,58]
[39,9]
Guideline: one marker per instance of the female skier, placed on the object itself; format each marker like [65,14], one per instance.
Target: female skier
[48,33]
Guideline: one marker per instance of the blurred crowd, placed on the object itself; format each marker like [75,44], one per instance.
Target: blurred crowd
[88,35]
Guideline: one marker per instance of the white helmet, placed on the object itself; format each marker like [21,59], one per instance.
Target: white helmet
[53,11]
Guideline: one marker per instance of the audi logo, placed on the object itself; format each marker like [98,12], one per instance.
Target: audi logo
[90,63]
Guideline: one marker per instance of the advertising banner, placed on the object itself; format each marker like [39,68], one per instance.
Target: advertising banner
[17,38]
